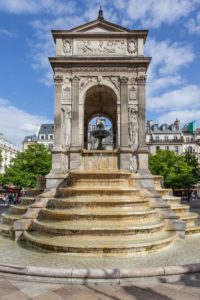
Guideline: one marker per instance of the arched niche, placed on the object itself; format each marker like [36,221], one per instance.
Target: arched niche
[100,100]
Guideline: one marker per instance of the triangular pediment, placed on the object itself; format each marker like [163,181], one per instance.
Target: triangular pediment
[99,26]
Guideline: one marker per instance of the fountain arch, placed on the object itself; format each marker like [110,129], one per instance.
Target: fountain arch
[100,100]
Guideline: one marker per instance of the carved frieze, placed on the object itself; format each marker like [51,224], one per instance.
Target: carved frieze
[100,47]
[86,80]
[114,80]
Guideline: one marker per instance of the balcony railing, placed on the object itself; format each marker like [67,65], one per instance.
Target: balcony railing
[169,141]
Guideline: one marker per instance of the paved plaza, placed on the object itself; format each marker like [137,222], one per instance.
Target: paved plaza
[184,289]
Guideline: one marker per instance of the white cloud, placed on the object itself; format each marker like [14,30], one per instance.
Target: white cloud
[168,59]
[193,25]
[57,7]
[185,116]
[152,13]
[179,99]
[15,123]
[5,32]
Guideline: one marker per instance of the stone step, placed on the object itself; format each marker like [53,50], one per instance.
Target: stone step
[94,202]
[100,244]
[164,192]
[9,218]
[6,230]
[100,191]
[100,174]
[27,200]
[192,229]
[18,209]
[190,218]
[72,228]
[180,209]
[172,199]
[97,213]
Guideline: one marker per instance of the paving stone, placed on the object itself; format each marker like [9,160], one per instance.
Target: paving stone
[7,288]
[49,296]
[15,296]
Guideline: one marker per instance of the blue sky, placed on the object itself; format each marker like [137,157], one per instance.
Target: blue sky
[26,86]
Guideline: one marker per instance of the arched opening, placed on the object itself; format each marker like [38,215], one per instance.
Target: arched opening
[100,104]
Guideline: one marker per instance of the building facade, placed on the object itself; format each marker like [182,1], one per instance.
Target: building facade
[8,151]
[44,136]
[171,137]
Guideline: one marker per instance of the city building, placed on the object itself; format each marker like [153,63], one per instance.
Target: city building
[8,151]
[44,135]
[171,137]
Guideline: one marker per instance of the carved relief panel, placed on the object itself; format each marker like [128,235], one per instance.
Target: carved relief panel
[133,127]
[100,47]
[66,125]
[66,90]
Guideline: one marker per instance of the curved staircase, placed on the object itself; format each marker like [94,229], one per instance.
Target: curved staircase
[100,212]
[14,213]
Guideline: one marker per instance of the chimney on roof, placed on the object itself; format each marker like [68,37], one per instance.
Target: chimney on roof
[177,124]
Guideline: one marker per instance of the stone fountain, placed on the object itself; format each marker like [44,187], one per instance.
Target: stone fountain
[100,201]
[100,133]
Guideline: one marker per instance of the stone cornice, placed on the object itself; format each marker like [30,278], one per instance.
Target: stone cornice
[63,34]
[73,60]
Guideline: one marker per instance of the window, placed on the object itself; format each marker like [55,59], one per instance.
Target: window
[176,149]
[189,149]
[42,137]
[166,137]
[175,137]
[51,136]
[46,136]
[157,138]
[187,139]
[166,147]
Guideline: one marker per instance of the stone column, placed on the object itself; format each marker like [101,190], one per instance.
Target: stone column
[142,147]
[75,134]
[124,113]
[59,158]
[58,79]
[75,112]
[124,139]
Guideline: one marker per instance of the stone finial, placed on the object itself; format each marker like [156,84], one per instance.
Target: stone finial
[100,16]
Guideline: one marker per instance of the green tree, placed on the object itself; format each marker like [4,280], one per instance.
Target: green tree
[178,171]
[25,168]
[1,158]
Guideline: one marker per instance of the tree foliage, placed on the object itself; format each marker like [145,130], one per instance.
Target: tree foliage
[179,171]
[1,158]
[25,168]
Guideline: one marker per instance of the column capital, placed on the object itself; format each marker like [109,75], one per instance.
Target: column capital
[124,80]
[141,79]
[75,79]
[58,78]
